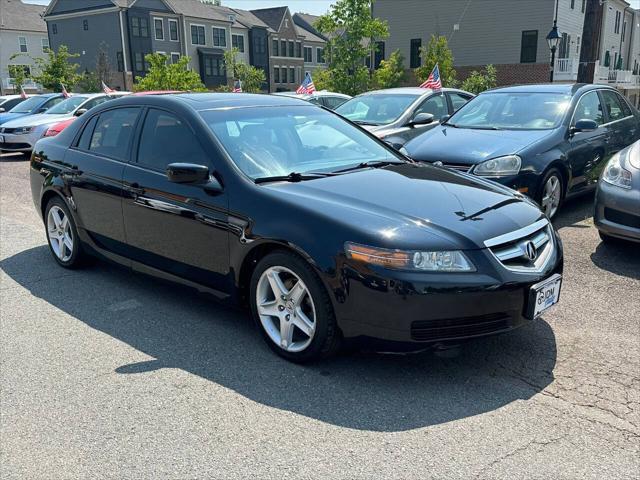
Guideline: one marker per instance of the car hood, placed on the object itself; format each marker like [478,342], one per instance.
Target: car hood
[36,120]
[469,146]
[8,116]
[414,206]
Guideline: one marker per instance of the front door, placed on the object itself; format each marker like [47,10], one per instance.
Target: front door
[588,151]
[177,228]
[212,70]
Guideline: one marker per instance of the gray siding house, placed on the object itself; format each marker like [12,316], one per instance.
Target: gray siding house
[22,30]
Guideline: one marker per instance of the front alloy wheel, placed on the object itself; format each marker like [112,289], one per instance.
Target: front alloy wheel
[551,194]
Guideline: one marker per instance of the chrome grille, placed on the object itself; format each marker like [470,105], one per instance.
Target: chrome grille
[525,250]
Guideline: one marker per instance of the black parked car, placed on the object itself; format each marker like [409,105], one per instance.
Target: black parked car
[548,141]
[324,230]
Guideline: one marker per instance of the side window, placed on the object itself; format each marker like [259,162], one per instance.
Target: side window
[334,102]
[95,102]
[625,106]
[85,138]
[612,105]
[166,139]
[54,101]
[589,108]
[9,104]
[435,105]
[113,132]
[458,100]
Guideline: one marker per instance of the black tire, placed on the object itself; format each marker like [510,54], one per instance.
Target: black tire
[551,173]
[327,337]
[78,256]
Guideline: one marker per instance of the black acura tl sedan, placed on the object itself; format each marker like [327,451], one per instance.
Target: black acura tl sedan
[547,141]
[322,229]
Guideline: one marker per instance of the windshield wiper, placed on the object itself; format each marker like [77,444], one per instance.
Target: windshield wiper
[363,122]
[450,125]
[484,128]
[372,164]
[292,177]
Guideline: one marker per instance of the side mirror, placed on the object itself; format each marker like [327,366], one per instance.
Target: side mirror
[80,111]
[394,145]
[584,125]
[421,119]
[445,118]
[187,173]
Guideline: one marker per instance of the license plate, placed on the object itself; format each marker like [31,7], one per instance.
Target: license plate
[544,295]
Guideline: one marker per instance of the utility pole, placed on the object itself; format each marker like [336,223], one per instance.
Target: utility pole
[590,48]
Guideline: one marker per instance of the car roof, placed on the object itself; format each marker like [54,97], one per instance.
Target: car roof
[8,97]
[562,88]
[408,91]
[317,93]
[212,101]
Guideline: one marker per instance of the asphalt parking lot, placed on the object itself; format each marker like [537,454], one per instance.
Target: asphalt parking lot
[108,374]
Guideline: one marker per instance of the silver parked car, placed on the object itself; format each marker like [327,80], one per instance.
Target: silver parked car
[617,214]
[331,100]
[398,115]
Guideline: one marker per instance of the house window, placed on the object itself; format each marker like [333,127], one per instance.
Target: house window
[276,74]
[573,4]
[219,37]
[624,28]
[416,43]
[529,46]
[85,25]
[582,8]
[14,68]
[54,28]
[158,28]
[237,41]
[616,27]
[286,23]
[308,54]
[292,47]
[45,44]
[578,45]
[208,66]
[175,57]
[275,48]
[218,67]
[197,35]
[144,27]
[139,61]
[320,55]
[173,30]
[22,41]
[260,45]
[298,49]
[379,54]
[120,61]
[292,75]
[283,72]
[563,47]
[283,48]
[139,27]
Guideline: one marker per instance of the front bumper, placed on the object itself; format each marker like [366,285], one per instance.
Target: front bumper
[617,211]
[413,309]
[21,143]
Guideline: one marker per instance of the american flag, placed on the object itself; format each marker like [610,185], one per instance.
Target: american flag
[307,85]
[237,87]
[433,82]
[106,89]
[65,94]
[23,94]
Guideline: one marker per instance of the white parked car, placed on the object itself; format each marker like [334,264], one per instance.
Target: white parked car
[331,100]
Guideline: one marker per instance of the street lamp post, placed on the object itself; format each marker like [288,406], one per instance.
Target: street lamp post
[553,38]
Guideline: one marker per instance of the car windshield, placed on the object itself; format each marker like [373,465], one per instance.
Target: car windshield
[29,105]
[378,109]
[512,111]
[276,141]
[66,106]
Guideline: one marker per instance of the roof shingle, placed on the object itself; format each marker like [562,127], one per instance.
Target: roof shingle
[15,15]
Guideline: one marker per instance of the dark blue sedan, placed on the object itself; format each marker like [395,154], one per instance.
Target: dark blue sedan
[547,141]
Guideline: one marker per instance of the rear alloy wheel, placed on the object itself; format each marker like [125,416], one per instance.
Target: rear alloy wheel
[292,308]
[62,234]
[551,195]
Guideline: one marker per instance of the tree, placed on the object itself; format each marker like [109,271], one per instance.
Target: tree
[250,77]
[437,51]
[391,72]
[56,70]
[168,76]
[18,74]
[89,83]
[480,81]
[351,30]
[103,66]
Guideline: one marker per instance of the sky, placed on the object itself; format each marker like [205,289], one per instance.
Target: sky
[316,7]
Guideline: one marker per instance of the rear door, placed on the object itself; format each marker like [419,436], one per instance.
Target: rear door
[98,157]
[177,228]
[621,122]
[588,151]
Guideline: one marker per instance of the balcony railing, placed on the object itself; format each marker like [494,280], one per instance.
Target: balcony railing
[566,69]
[29,85]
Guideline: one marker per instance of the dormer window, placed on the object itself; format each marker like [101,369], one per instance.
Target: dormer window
[286,23]
[232,17]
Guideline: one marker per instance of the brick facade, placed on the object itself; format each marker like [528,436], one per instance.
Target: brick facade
[512,73]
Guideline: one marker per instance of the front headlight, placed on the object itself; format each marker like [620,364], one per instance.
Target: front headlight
[615,174]
[424,261]
[23,130]
[499,167]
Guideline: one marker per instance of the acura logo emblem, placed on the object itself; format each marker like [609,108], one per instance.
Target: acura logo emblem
[530,251]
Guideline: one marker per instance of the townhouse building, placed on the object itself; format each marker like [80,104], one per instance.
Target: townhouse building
[22,31]
[313,44]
